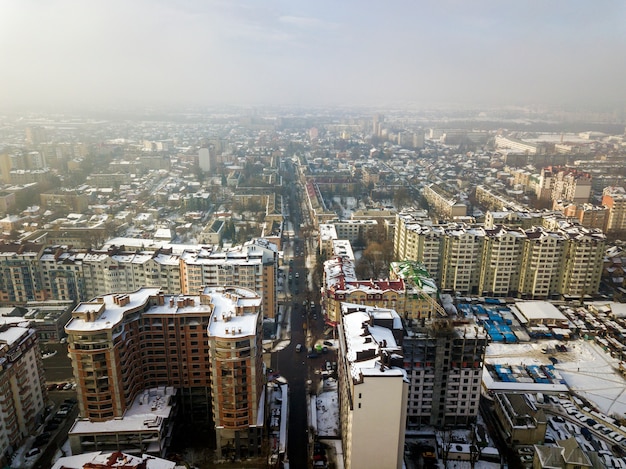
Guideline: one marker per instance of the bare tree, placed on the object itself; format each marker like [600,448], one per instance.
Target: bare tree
[444,439]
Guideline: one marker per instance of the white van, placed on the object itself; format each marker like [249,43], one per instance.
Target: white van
[299,348]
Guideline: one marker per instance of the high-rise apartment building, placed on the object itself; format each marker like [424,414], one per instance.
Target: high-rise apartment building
[443,360]
[560,183]
[614,198]
[417,239]
[22,390]
[500,261]
[235,357]
[541,260]
[501,251]
[253,265]
[206,345]
[20,274]
[372,387]
[30,272]
[461,259]
[207,159]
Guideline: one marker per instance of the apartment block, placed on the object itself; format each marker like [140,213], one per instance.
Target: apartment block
[417,239]
[355,230]
[614,199]
[372,387]
[560,183]
[443,203]
[588,215]
[206,346]
[20,276]
[121,269]
[235,357]
[461,260]
[502,261]
[542,257]
[522,422]
[253,265]
[501,252]
[32,272]
[443,360]
[22,385]
[381,293]
[583,258]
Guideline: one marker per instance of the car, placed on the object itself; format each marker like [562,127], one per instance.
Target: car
[42,439]
[312,355]
[67,387]
[297,274]
[324,349]
[299,348]
[556,418]
[51,426]
[527,458]
[328,342]
[51,387]
[60,386]
[33,452]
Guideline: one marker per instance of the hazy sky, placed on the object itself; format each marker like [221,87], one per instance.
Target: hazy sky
[354,52]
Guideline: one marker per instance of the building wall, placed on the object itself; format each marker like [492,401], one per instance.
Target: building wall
[236,386]
[445,373]
[22,391]
[377,430]
[614,198]
[531,262]
[113,363]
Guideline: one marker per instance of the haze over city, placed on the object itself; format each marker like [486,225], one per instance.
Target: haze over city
[72,53]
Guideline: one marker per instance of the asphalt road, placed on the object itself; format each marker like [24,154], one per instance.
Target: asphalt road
[58,368]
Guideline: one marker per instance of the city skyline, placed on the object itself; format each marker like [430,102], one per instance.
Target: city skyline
[67,53]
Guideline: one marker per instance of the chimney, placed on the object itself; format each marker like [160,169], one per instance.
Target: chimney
[171,302]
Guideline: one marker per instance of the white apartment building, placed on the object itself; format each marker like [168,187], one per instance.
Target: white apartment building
[500,261]
[443,203]
[417,239]
[372,387]
[28,272]
[501,251]
[461,258]
[541,261]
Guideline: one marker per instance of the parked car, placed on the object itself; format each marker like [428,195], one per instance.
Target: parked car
[42,439]
[299,348]
[312,355]
[33,452]
[328,342]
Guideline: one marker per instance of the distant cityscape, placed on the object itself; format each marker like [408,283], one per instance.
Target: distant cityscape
[313,288]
